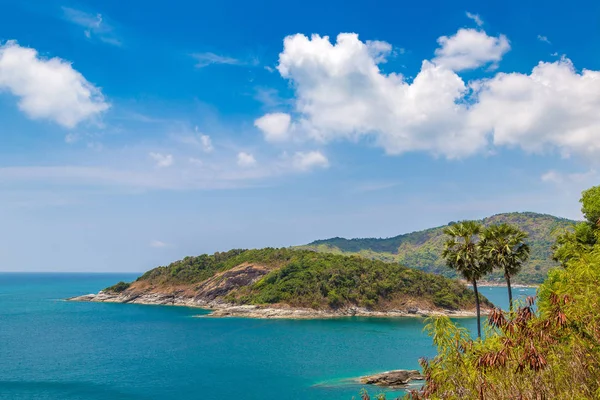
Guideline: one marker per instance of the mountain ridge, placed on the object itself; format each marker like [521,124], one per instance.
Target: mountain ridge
[422,249]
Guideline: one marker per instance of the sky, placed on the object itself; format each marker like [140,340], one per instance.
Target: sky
[136,133]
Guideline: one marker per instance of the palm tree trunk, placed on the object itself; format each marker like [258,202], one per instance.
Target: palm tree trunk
[510,302]
[478,310]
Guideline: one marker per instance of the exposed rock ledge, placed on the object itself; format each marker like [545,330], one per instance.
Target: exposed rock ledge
[220,309]
[392,379]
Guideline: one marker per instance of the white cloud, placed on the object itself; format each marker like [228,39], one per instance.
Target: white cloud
[305,161]
[158,244]
[588,178]
[476,18]
[206,143]
[208,58]
[567,187]
[544,39]
[552,176]
[341,93]
[48,88]
[162,160]
[196,139]
[554,107]
[246,159]
[275,126]
[94,25]
[379,50]
[469,49]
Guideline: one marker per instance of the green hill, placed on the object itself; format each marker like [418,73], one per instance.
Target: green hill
[299,278]
[422,249]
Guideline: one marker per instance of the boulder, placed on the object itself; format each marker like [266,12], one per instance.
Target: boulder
[397,378]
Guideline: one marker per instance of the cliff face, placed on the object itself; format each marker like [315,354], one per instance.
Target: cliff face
[293,283]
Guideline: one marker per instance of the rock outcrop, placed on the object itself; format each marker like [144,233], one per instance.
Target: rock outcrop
[392,379]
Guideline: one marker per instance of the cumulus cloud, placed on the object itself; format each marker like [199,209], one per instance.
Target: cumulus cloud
[162,160]
[245,159]
[275,126]
[554,107]
[305,161]
[342,94]
[48,88]
[158,244]
[469,49]
[476,18]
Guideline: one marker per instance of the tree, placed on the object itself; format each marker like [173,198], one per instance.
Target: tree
[503,246]
[590,205]
[581,237]
[462,253]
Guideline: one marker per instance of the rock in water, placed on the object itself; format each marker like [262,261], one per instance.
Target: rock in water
[396,378]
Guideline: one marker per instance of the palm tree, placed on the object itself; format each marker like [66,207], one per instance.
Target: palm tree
[503,246]
[462,253]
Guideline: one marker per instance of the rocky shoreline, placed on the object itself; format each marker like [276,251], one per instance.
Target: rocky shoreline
[220,309]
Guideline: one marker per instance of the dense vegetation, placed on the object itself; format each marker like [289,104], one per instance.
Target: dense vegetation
[118,287]
[548,350]
[318,280]
[422,249]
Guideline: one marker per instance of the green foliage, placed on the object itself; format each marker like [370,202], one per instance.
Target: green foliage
[462,252]
[422,250]
[580,238]
[304,278]
[503,247]
[194,269]
[590,205]
[573,241]
[118,288]
[551,351]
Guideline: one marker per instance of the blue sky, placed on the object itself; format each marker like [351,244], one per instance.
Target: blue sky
[135,133]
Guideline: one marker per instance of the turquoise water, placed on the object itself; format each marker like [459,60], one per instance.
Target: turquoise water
[56,350]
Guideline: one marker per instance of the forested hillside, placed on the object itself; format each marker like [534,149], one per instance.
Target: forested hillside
[422,249]
[301,278]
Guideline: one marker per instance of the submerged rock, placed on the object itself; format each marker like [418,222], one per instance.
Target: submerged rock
[397,378]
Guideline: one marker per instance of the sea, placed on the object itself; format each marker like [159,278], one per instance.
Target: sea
[51,349]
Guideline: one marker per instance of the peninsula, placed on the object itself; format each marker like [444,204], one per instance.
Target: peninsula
[292,283]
